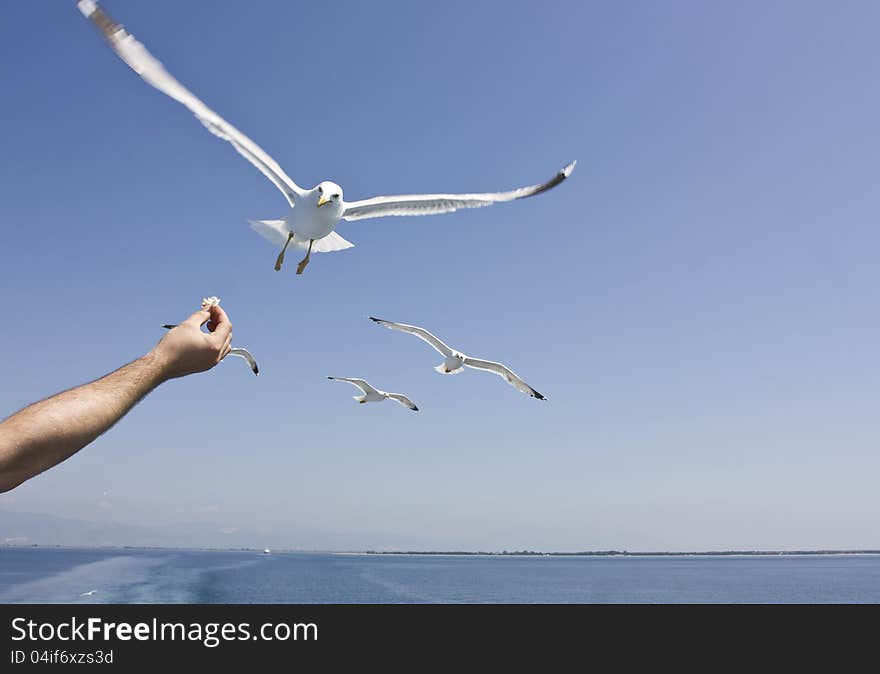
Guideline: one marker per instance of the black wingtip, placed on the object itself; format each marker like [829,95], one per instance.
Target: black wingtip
[168,326]
[414,408]
[376,320]
[256,371]
[329,377]
[560,176]
[538,395]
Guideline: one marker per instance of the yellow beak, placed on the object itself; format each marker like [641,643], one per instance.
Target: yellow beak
[323,200]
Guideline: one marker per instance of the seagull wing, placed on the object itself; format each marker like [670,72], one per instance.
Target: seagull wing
[360,383]
[153,72]
[421,333]
[244,353]
[430,204]
[403,400]
[503,371]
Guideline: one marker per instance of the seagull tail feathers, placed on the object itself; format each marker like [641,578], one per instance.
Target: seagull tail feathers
[441,368]
[330,244]
[274,231]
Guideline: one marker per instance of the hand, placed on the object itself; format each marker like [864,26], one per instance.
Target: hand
[186,349]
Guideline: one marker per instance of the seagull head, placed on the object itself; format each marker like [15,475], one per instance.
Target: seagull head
[329,193]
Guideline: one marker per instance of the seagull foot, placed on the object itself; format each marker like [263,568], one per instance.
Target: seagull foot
[301,267]
[279,262]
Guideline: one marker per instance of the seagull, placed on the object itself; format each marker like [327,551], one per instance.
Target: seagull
[454,361]
[87,594]
[374,395]
[234,351]
[313,213]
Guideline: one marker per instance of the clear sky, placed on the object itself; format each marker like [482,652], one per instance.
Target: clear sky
[698,302]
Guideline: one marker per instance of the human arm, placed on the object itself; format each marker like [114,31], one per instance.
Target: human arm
[48,432]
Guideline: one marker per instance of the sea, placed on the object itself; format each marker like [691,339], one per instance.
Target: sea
[82,576]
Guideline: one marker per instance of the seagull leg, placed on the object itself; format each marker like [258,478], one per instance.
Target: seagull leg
[280,259]
[300,268]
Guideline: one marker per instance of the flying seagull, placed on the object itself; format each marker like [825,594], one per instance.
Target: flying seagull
[87,594]
[314,213]
[454,361]
[234,351]
[374,395]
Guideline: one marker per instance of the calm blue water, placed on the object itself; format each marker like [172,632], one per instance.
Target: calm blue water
[132,576]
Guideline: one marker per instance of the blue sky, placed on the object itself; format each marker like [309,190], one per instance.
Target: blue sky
[698,302]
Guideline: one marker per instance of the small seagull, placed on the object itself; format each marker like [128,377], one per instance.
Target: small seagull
[235,351]
[87,594]
[314,213]
[454,361]
[374,395]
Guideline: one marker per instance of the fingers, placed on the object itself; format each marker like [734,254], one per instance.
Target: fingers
[227,346]
[220,325]
[212,321]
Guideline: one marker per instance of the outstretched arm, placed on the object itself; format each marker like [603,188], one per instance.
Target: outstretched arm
[46,433]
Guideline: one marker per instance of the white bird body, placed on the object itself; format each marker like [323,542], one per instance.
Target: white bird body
[452,364]
[310,221]
[315,213]
[455,361]
[374,395]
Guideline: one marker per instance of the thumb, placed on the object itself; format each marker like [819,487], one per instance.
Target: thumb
[198,318]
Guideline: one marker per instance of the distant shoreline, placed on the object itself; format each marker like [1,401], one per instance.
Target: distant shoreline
[625,553]
[454,553]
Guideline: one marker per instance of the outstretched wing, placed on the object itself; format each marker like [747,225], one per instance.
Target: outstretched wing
[153,73]
[244,353]
[502,370]
[421,333]
[360,383]
[403,400]
[429,204]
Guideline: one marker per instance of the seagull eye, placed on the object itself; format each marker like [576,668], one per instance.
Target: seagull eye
[320,190]
[335,196]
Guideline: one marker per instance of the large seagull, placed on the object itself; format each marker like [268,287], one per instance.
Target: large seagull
[314,213]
